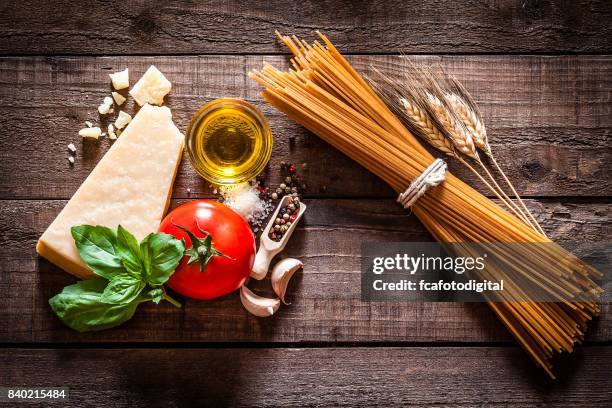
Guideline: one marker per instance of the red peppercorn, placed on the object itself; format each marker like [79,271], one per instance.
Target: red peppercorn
[292,169]
[292,217]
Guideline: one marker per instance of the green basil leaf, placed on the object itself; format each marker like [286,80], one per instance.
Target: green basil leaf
[128,251]
[145,254]
[161,254]
[96,245]
[80,308]
[122,289]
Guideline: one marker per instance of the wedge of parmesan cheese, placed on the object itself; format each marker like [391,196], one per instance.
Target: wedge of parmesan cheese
[130,186]
[151,87]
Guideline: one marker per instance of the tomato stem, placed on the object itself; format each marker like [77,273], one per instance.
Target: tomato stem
[202,249]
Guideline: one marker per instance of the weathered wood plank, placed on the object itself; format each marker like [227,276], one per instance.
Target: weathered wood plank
[321,377]
[28,27]
[548,119]
[326,305]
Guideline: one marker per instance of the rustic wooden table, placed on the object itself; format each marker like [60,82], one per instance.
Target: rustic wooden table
[541,72]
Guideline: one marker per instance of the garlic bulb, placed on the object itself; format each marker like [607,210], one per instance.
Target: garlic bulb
[282,273]
[258,305]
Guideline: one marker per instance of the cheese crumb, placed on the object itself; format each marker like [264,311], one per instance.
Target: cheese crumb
[151,87]
[106,106]
[103,109]
[120,80]
[119,99]
[71,159]
[72,147]
[111,132]
[93,132]
[122,120]
[88,123]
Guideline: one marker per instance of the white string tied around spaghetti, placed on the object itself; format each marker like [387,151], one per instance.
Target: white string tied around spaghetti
[431,177]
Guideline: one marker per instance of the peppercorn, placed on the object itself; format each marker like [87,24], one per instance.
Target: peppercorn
[296,200]
[274,196]
[292,217]
[282,211]
[292,169]
[288,179]
[294,177]
[292,206]
[287,190]
[283,221]
[277,227]
[277,221]
[284,229]
[279,191]
[294,189]
[283,164]
[285,216]
[282,186]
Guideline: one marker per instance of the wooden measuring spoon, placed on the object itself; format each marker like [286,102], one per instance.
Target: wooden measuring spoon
[268,248]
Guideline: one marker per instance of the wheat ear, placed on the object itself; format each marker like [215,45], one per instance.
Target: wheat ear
[457,141]
[427,114]
[472,122]
[428,131]
[463,141]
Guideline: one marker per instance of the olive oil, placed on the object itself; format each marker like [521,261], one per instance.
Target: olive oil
[229,141]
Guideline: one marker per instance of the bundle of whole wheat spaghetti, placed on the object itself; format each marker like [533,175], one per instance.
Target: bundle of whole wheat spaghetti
[326,95]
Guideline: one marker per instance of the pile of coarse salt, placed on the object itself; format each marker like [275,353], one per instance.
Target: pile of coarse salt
[245,199]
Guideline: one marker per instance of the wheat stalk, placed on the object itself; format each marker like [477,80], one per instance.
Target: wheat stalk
[468,114]
[458,140]
[462,139]
[432,135]
[429,114]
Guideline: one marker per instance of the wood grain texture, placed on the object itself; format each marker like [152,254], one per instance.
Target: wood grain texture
[322,377]
[326,305]
[441,26]
[548,120]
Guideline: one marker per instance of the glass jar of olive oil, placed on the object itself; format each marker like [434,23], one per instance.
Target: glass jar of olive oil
[229,141]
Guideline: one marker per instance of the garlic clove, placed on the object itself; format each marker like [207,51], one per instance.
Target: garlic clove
[281,275]
[258,305]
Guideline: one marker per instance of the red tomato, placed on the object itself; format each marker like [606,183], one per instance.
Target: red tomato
[231,236]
